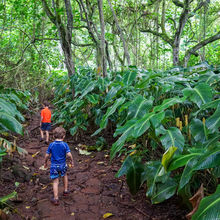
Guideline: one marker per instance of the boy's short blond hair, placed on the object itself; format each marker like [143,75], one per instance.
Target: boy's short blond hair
[59,133]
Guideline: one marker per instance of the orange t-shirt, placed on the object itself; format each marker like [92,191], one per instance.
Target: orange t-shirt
[46,115]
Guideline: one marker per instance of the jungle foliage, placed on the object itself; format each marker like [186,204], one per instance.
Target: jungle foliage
[167,124]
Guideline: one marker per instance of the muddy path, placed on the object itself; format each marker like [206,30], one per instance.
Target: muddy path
[94,189]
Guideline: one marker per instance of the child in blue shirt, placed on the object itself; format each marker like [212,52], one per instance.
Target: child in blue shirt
[58,151]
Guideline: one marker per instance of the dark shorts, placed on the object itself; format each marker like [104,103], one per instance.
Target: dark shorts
[57,170]
[45,126]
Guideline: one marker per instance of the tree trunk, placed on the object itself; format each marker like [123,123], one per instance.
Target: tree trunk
[120,34]
[176,55]
[65,34]
[102,40]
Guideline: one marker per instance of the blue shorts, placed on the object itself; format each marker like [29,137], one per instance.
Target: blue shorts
[45,126]
[57,170]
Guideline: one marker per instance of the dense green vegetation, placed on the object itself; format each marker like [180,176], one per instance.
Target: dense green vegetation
[146,71]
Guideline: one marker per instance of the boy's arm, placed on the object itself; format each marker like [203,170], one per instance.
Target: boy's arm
[71,158]
[46,159]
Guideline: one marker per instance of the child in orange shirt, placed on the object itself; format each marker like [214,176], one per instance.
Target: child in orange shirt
[45,122]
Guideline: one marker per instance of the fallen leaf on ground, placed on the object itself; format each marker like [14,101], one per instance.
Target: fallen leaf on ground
[42,168]
[45,187]
[27,168]
[100,162]
[84,152]
[34,155]
[106,215]
[27,207]
[72,214]
[195,200]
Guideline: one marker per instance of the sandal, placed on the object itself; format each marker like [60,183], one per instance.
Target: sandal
[55,201]
[66,193]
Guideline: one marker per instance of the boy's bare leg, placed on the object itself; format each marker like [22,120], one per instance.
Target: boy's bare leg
[42,134]
[47,136]
[55,188]
[65,183]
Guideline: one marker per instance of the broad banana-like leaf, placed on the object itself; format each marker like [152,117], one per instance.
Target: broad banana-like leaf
[112,93]
[198,130]
[10,109]
[129,76]
[93,98]
[167,157]
[209,77]
[212,141]
[213,122]
[181,160]
[133,177]
[212,104]
[157,118]
[209,207]
[139,107]
[126,131]
[111,110]
[150,174]
[201,94]
[167,103]
[10,123]
[125,167]
[81,86]
[73,130]
[188,172]
[210,159]
[173,137]
[143,124]
[164,191]
[88,89]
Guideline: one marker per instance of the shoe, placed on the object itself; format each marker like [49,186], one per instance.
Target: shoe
[55,201]
[66,193]
[46,142]
[41,139]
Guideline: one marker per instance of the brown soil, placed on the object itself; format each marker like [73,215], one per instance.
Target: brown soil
[94,189]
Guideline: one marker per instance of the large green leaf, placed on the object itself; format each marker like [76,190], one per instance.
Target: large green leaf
[164,191]
[125,167]
[10,123]
[139,107]
[167,157]
[133,176]
[167,103]
[213,122]
[212,104]
[210,159]
[126,131]
[150,174]
[6,198]
[209,207]
[173,137]
[88,89]
[129,76]
[188,172]
[181,160]
[201,94]
[10,109]
[93,98]
[198,130]
[112,93]
[209,77]
[143,124]
[111,110]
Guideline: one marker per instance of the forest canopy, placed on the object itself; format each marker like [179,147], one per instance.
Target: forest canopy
[38,37]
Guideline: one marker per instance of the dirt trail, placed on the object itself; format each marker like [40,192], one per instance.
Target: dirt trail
[94,189]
